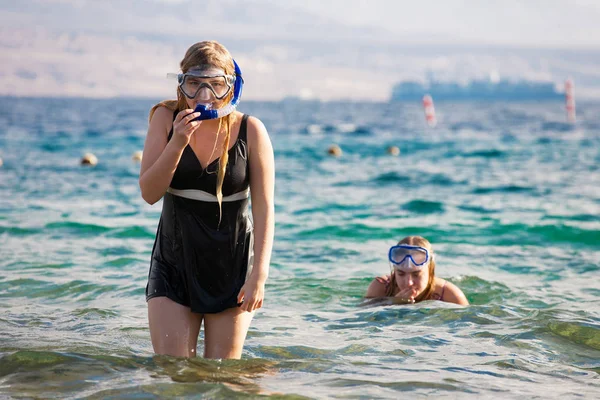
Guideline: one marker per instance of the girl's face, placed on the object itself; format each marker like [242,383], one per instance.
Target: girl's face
[413,278]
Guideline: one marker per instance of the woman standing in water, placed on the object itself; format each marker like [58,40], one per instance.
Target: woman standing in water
[209,263]
[413,276]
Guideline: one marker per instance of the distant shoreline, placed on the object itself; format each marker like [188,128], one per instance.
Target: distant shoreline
[477,90]
[416,99]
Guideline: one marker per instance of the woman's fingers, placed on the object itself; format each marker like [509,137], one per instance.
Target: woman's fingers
[190,117]
[187,122]
[185,117]
[191,127]
[251,304]
[182,114]
[240,297]
[407,294]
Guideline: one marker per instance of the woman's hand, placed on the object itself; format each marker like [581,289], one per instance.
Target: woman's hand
[251,295]
[184,127]
[407,294]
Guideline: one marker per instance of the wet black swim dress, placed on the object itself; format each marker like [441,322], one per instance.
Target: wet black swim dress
[197,261]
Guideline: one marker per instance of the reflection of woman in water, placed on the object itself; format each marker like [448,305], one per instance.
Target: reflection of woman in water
[413,276]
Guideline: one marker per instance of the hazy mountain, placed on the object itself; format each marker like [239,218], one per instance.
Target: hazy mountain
[125,48]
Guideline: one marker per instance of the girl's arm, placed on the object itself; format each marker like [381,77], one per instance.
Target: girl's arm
[453,294]
[377,288]
[262,188]
[160,158]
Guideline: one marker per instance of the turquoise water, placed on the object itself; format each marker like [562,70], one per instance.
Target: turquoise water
[508,194]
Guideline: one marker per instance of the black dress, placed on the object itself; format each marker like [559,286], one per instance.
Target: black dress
[198,261]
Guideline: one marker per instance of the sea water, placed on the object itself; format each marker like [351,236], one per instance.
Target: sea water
[507,193]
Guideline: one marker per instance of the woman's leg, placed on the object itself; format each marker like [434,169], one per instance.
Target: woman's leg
[225,333]
[174,328]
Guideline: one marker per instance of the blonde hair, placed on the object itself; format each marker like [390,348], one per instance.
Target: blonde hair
[422,242]
[216,55]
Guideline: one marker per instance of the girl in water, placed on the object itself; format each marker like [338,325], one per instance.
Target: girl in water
[412,278]
[210,259]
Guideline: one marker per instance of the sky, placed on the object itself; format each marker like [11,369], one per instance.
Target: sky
[326,49]
[541,23]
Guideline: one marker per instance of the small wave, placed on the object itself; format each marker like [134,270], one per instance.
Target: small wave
[53,147]
[477,209]
[404,386]
[16,231]
[331,207]
[396,178]
[346,128]
[560,233]
[543,235]
[424,207]
[121,262]
[77,228]
[480,291]
[95,313]
[35,288]
[557,126]
[391,177]
[358,232]
[133,232]
[579,334]
[503,189]
[355,231]
[440,180]
[576,217]
[294,352]
[492,153]
[31,361]
[475,126]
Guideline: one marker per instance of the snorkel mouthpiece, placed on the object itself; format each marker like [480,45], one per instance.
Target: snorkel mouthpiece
[202,108]
[206,111]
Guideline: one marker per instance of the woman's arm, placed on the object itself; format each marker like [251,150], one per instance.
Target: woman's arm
[453,294]
[160,158]
[377,288]
[262,191]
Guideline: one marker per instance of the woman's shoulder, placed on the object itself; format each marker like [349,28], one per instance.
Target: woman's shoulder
[447,291]
[378,286]
[258,138]
[254,126]
[162,115]
[439,289]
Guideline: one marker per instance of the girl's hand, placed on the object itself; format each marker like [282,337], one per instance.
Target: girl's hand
[251,295]
[184,127]
[407,294]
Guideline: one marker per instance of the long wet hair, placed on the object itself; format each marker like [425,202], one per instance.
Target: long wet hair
[426,294]
[214,54]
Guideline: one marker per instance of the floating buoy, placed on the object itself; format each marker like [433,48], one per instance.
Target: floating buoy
[393,150]
[89,159]
[334,150]
[570,100]
[429,111]
[137,156]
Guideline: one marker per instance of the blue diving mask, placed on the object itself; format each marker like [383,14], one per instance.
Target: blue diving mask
[207,84]
[406,256]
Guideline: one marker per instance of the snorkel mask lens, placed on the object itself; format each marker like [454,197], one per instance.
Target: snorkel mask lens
[211,83]
[418,256]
